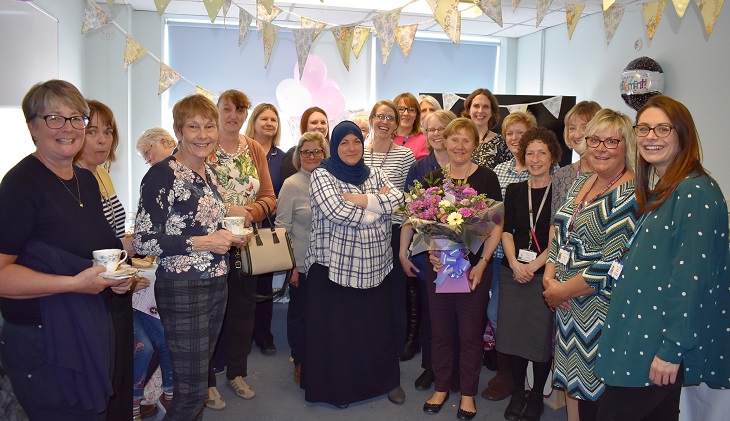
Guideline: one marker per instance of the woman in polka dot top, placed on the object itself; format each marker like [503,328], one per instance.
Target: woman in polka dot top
[668,323]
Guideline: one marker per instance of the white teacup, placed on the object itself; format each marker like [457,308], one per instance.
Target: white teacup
[109,258]
[235,224]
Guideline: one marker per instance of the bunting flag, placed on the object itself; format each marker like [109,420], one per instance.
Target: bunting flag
[303,43]
[343,38]
[206,93]
[405,36]
[652,15]
[493,9]
[161,5]
[611,19]
[226,7]
[168,77]
[263,16]
[359,39]
[270,32]
[516,108]
[385,24]
[680,6]
[607,4]
[311,23]
[572,14]
[268,4]
[244,22]
[553,105]
[515,3]
[133,51]
[213,6]
[543,7]
[94,17]
[110,3]
[450,99]
[710,10]
[448,16]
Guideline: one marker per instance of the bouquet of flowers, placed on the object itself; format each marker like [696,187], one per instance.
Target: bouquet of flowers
[453,220]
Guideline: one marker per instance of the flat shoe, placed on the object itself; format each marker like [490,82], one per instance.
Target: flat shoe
[434,408]
[343,406]
[397,395]
[465,415]
[423,382]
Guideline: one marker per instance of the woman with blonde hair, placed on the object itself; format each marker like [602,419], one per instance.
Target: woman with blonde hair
[155,144]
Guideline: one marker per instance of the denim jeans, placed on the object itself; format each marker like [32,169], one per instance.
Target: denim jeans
[148,337]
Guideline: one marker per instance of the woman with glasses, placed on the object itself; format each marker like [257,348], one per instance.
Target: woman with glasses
[669,320]
[52,219]
[394,161]
[409,133]
[155,144]
[295,214]
[482,108]
[592,229]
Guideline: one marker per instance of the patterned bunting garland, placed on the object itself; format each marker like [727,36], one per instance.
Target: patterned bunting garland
[553,105]
[611,19]
[572,14]
[268,4]
[244,22]
[359,39]
[311,23]
[493,9]
[343,38]
[213,6]
[543,7]
[206,93]
[607,4]
[226,7]
[270,32]
[94,17]
[303,43]
[680,6]
[652,15]
[263,16]
[133,51]
[710,10]
[385,24]
[450,99]
[405,36]
[515,3]
[168,77]
[448,16]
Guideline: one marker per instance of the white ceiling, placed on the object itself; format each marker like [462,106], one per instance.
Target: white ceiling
[515,24]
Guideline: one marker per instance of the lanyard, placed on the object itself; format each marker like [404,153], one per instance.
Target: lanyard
[533,219]
[583,203]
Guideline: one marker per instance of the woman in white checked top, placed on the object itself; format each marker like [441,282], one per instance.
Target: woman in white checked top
[349,293]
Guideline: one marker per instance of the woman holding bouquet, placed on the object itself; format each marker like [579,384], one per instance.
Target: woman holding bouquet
[348,267]
[525,333]
[461,313]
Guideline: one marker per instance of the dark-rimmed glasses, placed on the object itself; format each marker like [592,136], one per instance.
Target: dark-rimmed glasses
[660,130]
[609,143]
[436,129]
[314,152]
[54,121]
[410,110]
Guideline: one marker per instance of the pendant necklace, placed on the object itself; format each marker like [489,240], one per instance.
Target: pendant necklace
[230,155]
[78,190]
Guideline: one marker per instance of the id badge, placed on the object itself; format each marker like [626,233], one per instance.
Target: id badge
[526,256]
[615,270]
[563,256]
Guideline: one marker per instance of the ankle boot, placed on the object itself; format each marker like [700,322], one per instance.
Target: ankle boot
[413,312]
[535,406]
[502,385]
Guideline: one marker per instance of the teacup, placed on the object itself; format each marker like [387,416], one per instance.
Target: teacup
[109,258]
[235,224]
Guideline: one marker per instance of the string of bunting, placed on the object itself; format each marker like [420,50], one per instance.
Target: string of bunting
[551,104]
[351,37]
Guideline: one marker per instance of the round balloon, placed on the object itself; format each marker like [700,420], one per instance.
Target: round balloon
[642,79]
[315,72]
[292,97]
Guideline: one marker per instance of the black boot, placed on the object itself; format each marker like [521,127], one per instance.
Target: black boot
[516,406]
[535,406]
[413,312]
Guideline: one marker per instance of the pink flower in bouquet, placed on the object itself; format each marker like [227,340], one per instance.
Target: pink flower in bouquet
[466,212]
[470,191]
[464,202]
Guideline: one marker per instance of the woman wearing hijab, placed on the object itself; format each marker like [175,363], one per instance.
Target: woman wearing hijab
[347,263]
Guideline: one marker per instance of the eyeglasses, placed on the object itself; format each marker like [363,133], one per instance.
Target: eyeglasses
[609,143]
[383,117]
[410,110]
[58,121]
[660,130]
[315,153]
[436,129]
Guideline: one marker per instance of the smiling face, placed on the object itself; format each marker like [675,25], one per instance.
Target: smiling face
[436,137]
[98,143]
[607,161]
[658,151]
[350,149]
[317,121]
[460,146]
[383,129]
[311,162]
[197,139]
[513,134]
[231,119]
[480,111]
[266,125]
[576,134]
[538,158]
[407,118]
[57,144]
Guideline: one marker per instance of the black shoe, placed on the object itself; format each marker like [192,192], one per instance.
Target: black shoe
[535,407]
[423,382]
[397,395]
[465,415]
[267,348]
[343,406]
[516,406]
[434,408]
[410,350]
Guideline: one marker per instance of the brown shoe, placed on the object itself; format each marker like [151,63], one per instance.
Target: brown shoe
[498,390]
[298,374]
[147,411]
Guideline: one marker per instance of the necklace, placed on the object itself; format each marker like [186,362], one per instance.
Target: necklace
[372,152]
[584,203]
[448,171]
[78,190]
[230,155]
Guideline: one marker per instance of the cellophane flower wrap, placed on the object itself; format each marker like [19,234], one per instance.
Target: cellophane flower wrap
[452,219]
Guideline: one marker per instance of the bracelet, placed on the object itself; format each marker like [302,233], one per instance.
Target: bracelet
[228,208]
[484,258]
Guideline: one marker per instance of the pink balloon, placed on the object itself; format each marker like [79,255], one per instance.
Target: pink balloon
[329,83]
[330,100]
[315,73]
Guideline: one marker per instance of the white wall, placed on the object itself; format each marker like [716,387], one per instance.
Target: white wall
[695,68]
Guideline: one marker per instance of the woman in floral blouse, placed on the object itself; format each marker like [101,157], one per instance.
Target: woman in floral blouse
[483,109]
[179,217]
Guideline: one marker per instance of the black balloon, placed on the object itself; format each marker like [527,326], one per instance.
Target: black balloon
[642,79]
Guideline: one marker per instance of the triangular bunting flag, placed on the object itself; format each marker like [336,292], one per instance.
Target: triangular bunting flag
[680,6]
[710,10]
[311,23]
[133,51]
[449,100]
[110,3]
[270,32]
[652,15]
[303,43]
[515,3]
[168,77]
[385,24]
[263,16]
[244,22]
[543,7]
[206,93]
[268,4]
[448,16]
[161,5]
[493,9]
[213,6]
[553,105]
[611,19]
[359,39]
[226,7]
[607,4]
[343,38]
[94,17]
[405,36]
[572,14]
[513,108]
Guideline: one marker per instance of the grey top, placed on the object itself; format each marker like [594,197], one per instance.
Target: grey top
[294,213]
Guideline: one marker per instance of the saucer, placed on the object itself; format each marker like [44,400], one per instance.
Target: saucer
[246,231]
[123,273]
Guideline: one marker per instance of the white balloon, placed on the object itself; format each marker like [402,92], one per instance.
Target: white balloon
[293,98]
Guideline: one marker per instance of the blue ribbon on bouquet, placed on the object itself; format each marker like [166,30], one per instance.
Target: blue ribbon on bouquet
[455,265]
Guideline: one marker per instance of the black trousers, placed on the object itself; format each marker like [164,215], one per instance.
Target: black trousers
[651,403]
